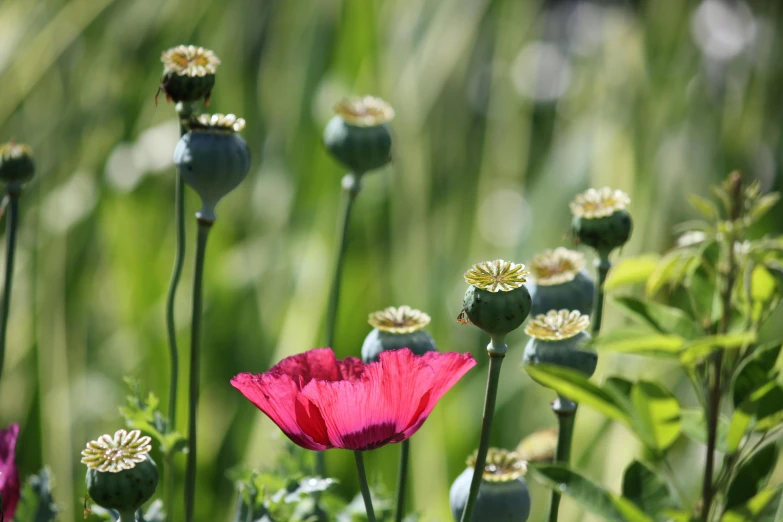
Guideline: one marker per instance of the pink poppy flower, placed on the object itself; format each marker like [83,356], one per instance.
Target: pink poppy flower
[9,475]
[320,402]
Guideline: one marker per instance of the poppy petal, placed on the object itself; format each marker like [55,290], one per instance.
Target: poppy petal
[320,364]
[9,474]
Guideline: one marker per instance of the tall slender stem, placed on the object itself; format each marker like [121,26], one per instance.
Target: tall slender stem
[127,516]
[195,339]
[351,184]
[497,349]
[10,250]
[602,265]
[402,479]
[365,487]
[566,414]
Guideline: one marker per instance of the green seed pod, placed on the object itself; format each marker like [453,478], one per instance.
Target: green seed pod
[600,219]
[188,73]
[358,135]
[558,338]
[120,475]
[503,494]
[213,159]
[16,163]
[397,328]
[497,300]
[560,281]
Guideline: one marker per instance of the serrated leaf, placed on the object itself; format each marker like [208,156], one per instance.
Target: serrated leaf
[752,476]
[706,208]
[631,271]
[640,342]
[657,415]
[694,426]
[662,318]
[590,495]
[647,491]
[698,349]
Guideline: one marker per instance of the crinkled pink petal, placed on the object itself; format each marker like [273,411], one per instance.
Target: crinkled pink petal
[320,364]
[9,475]
[275,395]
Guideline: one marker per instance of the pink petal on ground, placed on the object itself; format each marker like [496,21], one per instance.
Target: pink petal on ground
[9,474]
[275,395]
[449,368]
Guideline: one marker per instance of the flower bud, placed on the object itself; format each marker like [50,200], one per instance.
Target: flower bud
[397,328]
[558,339]
[120,475]
[212,159]
[16,163]
[358,135]
[496,300]
[188,73]
[503,495]
[600,219]
[560,281]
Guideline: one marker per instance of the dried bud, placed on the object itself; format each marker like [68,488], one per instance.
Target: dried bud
[358,135]
[558,339]
[188,73]
[396,328]
[600,219]
[16,163]
[559,280]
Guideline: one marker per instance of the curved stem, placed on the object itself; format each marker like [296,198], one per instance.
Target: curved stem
[364,486]
[496,351]
[566,414]
[127,516]
[195,328]
[402,479]
[10,250]
[351,184]
[603,265]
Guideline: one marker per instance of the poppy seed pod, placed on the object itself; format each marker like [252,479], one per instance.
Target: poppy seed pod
[120,475]
[358,135]
[560,281]
[188,73]
[16,163]
[212,159]
[600,220]
[396,328]
[496,300]
[558,339]
[503,494]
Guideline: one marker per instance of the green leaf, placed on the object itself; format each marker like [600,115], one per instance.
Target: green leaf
[763,285]
[667,271]
[591,496]
[647,490]
[36,503]
[694,426]
[657,415]
[631,271]
[578,388]
[640,342]
[754,372]
[706,208]
[696,350]
[746,412]
[662,318]
[753,508]
[762,206]
[752,476]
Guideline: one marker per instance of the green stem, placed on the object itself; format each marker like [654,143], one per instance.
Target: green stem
[127,516]
[10,249]
[195,328]
[364,486]
[351,184]
[602,265]
[184,110]
[402,479]
[566,414]
[497,349]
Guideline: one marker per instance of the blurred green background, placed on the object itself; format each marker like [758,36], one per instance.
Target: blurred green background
[505,109]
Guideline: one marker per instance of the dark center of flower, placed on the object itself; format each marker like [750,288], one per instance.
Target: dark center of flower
[371,437]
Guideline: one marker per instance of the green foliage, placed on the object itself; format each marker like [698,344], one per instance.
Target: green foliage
[141,413]
[647,491]
[36,503]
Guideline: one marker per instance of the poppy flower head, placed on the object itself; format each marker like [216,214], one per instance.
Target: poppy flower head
[9,475]
[320,402]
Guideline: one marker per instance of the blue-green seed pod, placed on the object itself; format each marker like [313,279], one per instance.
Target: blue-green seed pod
[397,328]
[213,159]
[503,494]
[120,475]
[560,281]
[497,300]
[188,73]
[358,136]
[600,220]
[558,339]
[16,163]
